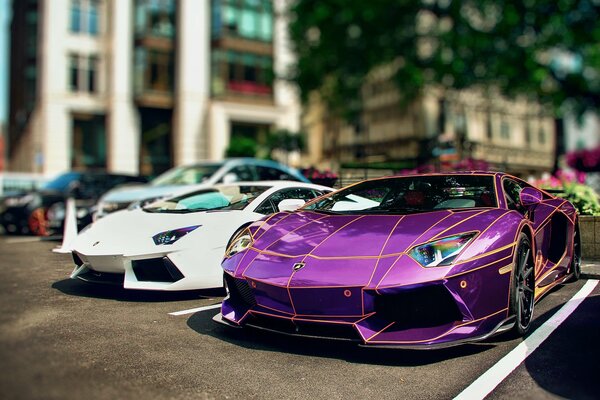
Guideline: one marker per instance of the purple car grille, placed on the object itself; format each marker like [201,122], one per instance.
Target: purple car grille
[239,291]
[419,308]
[303,328]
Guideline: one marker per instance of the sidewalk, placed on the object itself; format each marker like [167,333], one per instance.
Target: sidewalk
[590,269]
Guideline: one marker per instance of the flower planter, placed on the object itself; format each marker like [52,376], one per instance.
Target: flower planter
[589,227]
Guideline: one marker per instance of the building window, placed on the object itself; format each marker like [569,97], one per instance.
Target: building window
[504,129]
[89,142]
[155,18]
[527,133]
[542,136]
[249,19]
[83,73]
[241,72]
[154,70]
[85,16]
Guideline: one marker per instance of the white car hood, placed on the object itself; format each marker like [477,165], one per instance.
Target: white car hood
[130,194]
[130,232]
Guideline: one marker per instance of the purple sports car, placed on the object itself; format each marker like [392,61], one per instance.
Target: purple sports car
[418,261]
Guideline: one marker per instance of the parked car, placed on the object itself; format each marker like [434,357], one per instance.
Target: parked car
[418,261]
[178,243]
[27,212]
[176,181]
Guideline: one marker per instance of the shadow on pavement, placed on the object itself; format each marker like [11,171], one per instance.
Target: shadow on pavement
[349,351]
[566,364]
[74,287]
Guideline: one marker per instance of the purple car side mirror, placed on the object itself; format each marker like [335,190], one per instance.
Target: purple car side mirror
[530,197]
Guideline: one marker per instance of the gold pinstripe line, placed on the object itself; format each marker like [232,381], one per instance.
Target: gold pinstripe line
[295,229]
[383,330]
[313,249]
[447,276]
[460,222]
[362,297]
[506,269]
[275,309]
[440,336]
[489,253]
[547,273]
[260,252]
[408,249]
[383,248]
[267,220]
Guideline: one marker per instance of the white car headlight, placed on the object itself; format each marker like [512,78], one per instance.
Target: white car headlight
[170,237]
[441,252]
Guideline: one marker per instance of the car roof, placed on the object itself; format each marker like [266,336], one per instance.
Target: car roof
[277,184]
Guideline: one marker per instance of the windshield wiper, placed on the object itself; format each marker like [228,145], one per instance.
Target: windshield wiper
[405,210]
[173,211]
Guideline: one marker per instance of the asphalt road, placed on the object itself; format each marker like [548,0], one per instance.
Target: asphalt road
[64,339]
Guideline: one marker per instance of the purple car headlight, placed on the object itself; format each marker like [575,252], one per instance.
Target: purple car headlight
[170,237]
[441,252]
[240,243]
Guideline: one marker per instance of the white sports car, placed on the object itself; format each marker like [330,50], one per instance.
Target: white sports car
[179,243]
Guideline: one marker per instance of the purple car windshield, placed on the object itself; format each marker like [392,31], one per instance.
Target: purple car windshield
[411,194]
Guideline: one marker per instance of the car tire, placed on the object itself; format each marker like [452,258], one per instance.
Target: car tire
[575,267]
[522,287]
[37,222]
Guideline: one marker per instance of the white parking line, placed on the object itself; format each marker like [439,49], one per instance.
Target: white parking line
[495,375]
[194,310]
[23,240]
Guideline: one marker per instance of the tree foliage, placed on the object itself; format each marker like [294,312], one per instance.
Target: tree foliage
[546,49]
[241,146]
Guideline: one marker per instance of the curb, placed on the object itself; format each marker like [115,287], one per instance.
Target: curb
[590,269]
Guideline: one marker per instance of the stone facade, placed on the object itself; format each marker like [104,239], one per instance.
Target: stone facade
[590,237]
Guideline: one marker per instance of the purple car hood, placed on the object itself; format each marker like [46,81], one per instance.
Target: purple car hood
[306,249]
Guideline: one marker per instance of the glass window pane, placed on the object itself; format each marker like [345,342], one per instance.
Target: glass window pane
[248,24]
[76,16]
[93,18]
[230,18]
[216,21]
[73,73]
[266,26]
[92,74]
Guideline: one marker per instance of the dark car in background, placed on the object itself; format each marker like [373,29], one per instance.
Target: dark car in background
[42,212]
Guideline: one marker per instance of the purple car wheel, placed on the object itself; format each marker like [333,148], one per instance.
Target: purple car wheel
[522,299]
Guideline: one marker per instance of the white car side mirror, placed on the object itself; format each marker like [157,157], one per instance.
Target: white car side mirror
[230,177]
[290,204]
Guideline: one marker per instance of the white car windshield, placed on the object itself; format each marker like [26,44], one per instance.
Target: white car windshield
[186,175]
[224,197]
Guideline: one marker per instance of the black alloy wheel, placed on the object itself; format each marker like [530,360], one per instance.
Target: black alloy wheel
[575,267]
[522,297]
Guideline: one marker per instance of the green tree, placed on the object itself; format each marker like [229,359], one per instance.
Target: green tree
[285,140]
[241,146]
[545,49]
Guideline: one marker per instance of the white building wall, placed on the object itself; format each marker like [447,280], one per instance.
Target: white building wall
[57,103]
[123,129]
[52,129]
[286,94]
[192,85]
